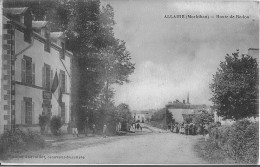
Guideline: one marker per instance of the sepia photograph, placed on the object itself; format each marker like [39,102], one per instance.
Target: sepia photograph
[129,82]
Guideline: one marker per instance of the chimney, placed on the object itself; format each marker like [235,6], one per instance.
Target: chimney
[27,19]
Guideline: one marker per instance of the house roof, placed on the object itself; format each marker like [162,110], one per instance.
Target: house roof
[56,35]
[15,11]
[39,24]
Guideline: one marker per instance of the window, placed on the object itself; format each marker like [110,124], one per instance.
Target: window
[46,77]
[27,111]
[63,81]
[62,52]
[47,42]
[28,71]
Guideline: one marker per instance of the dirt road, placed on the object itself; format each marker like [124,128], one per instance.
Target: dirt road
[151,148]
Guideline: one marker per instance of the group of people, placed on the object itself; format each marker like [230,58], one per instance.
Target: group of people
[189,129]
[137,126]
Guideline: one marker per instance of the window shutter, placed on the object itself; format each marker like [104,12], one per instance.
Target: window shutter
[22,112]
[23,70]
[59,110]
[51,77]
[60,79]
[33,73]
[43,76]
[65,83]
[33,114]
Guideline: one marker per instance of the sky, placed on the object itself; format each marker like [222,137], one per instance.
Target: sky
[174,57]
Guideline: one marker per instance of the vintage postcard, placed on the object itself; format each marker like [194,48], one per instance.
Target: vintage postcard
[129,82]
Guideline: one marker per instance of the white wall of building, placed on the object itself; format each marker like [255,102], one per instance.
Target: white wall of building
[39,57]
[140,117]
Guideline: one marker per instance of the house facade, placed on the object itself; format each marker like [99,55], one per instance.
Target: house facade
[181,110]
[31,57]
[139,117]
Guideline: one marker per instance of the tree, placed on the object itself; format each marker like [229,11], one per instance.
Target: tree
[116,67]
[235,87]
[188,119]
[125,116]
[162,116]
[124,113]
[203,118]
[169,118]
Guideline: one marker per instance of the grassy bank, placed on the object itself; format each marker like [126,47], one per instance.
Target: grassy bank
[212,153]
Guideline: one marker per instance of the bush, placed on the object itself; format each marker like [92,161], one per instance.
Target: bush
[239,140]
[212,128]
[18,141]
[209,151]
[43,121]
[55,124]
[203,118]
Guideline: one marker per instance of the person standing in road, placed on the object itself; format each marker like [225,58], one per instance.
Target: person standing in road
[74,128]
[105,131]
[94,129]
[86,126]
[186,129]
[137,126]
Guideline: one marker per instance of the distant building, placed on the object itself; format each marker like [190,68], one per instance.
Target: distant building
[31,56]
[139,117]
[181,110]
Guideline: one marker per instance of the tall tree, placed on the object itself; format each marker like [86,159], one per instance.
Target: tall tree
[116,67]
[235,87]
[124,113]
[83,32]
[102,59]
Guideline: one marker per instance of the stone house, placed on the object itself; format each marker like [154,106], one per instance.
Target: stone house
[31,58]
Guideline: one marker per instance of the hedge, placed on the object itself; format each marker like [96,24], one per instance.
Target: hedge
[239,141]
[19,141]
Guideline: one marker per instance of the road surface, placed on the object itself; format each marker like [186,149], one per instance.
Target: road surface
[150,148]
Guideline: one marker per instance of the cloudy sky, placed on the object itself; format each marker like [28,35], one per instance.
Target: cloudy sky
[177,56]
